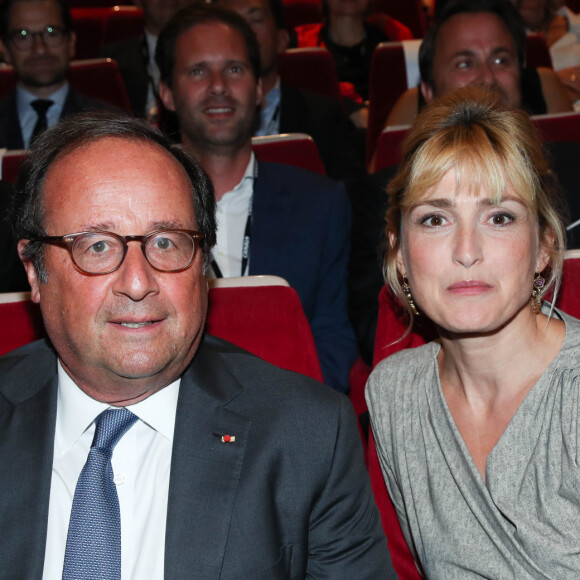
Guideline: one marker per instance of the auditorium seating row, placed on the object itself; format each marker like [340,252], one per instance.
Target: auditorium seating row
[308,68]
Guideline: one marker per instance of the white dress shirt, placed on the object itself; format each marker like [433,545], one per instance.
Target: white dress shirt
[28,116]
[141,464]
[232,215]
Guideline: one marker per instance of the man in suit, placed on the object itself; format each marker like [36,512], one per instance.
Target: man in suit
[38,42]
[289,109]
[273,219]
[224,466]
[136,56]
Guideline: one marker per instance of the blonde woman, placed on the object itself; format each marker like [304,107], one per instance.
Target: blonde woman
[477,432]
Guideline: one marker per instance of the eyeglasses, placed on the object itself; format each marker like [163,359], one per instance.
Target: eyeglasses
[23,39]
[98,253]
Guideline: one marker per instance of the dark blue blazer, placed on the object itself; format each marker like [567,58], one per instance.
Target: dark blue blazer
[301,232]
[289,499]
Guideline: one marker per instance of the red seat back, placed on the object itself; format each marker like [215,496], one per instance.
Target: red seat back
[88,25]
[558,127]
[389,147]
[11,161]
[311,69]
[269,322]
[123,22]
[387,82]
[291,148]
[409,12]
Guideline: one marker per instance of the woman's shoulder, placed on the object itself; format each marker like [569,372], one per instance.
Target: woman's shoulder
[570,352]
[395,371]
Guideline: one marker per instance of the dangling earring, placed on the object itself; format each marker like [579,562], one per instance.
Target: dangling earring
[537,292]
[409,296]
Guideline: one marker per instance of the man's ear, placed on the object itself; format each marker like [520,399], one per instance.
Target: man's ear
[31,272]
[427,92]
[283,40]
[166,95]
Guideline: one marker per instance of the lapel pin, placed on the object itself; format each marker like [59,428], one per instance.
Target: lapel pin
[227,438]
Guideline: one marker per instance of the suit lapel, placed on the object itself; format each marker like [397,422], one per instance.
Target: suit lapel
[11,135]
[204,470]
[272,219]
[26,451]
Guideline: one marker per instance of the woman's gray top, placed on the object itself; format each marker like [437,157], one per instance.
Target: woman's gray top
[524,521]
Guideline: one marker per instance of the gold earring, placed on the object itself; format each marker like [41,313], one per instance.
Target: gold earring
[537,292]
[409,296]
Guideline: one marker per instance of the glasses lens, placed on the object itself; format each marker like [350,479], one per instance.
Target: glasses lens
[97,253]
[170,251]
[51,36]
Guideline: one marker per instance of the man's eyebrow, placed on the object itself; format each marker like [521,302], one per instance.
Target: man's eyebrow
[464,52]
[500,49]
[108,226]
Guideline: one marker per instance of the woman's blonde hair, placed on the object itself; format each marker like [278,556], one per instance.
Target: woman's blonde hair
[488,147]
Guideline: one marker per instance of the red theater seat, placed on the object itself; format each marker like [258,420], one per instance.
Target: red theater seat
[290,148]
[311,69]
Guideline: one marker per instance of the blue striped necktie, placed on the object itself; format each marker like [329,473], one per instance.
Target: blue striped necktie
[93,545]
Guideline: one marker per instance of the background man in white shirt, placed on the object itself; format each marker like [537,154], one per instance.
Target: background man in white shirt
[230,468]
[272,218]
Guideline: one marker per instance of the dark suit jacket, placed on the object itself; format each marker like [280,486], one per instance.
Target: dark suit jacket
[10,133]
[289,499]
[324,120]
[129,55]
[300,231]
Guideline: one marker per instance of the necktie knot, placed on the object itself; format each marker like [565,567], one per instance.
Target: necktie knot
[41,106]
[111,425]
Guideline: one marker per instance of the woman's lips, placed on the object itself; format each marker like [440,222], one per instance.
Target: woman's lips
[469,287]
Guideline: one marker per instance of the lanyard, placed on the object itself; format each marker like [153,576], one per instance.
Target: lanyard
[247,234]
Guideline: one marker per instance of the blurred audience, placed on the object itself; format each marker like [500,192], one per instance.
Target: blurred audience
[351,35]
[561,29]
[38,42]
[272,219]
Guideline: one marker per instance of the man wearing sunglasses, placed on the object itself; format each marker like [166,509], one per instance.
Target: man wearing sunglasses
[132,445]
[38,42]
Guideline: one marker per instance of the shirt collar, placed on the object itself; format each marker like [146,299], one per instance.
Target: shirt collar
[247,179]
[24,97]
[76,411]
